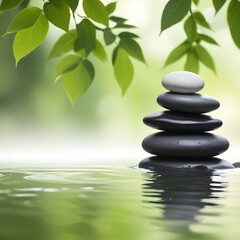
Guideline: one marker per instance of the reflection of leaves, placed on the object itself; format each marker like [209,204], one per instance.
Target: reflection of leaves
[174,12]
[30,38]
[95,10]
[64,44]
[77,81]
[123,69]
[192,62]
[205,57]
[190,29]
[58,16]
[233,17]
[177,53]
[86,35]
[218,4]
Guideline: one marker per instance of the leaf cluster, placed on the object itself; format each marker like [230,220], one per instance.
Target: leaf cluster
[76,46]
[195,25]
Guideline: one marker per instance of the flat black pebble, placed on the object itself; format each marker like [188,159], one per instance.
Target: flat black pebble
[236,164]
[182,122]
[185,145]
[158,163]
[189,103]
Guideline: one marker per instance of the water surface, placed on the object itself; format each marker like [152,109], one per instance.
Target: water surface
[119,203]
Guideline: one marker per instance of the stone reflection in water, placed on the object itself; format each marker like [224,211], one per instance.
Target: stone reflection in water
[180,194]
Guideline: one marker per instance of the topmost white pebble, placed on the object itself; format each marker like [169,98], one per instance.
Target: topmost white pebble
[182,82]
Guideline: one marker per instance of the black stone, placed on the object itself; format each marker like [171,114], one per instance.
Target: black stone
[185,145]
[182,122]
[158,163]
[189,103]
[236,164]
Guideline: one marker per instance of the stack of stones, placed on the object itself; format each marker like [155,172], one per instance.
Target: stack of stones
[184,141]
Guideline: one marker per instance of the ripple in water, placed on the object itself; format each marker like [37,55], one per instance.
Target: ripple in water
[119,203]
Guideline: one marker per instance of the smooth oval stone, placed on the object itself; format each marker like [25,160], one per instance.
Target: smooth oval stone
[188,103]
[181,122]
[158,163]
[236,164]
[166,144]
[183,82]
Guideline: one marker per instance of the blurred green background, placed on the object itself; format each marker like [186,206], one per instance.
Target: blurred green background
[38,122]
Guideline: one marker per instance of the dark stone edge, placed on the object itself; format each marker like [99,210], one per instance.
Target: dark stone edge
[158,163]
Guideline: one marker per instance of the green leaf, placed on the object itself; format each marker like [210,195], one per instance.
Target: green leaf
[207,39]
[123,70]
[58,16]
[233,18]
[67,64]
[73,4]
[109,37]
[99,51]
[64,44]
[111,7]
[196,2]
[123,25]
[78,81]
[132,48]
[25,3]
[114,54]
[218,4]
[174,12]
[9,4]
[200,19]
[86,35]
[78,48]
[118,19]
[57,3]
[127,35]
[192,62]
[89,68]
[177,53]
[25,19]
[95,10]
[190,29]
[205,57]
[29,39]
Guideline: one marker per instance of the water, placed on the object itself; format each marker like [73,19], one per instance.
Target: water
[119,203]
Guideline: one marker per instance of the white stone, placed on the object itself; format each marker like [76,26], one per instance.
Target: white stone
[182,82]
